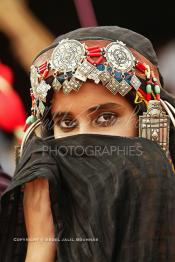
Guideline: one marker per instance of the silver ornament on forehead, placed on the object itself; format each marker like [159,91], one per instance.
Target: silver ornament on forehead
[119,57]
[41,90]
[67,55]
[34,77]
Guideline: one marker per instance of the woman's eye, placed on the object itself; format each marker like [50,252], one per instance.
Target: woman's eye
[106,119]
[67,124]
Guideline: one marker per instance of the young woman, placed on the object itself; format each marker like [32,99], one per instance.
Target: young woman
[100,175]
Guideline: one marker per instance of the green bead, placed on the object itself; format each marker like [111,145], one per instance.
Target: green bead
[154,79]
[148,88]
[157,89]
[31,119]
[28,120]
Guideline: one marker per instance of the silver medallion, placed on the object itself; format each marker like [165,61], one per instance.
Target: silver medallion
[113,86]
[67,55]
[135,82]
[119,57]
[75,84]
[41,107]
[155,125]
[34,78]
[41,90]
[56,84]
[67,88]
[124,88]
[105,77]
[94,75]
[78,75]
[84,70]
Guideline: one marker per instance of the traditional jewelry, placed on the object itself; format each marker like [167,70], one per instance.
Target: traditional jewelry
[155,124]
[72,63]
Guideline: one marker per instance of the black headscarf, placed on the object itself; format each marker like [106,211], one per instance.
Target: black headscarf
[4,181]
[113,33]
[112,199]
[116,194]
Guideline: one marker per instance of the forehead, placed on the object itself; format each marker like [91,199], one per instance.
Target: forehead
[89,95]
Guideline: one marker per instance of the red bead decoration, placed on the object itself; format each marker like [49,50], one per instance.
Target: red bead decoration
[148,96]
[142,92]
[25,127]
[95,50]
[149,82]
[94,54]
[42,68]
[92,48]
[140,66]
[46,72]
[43,71]
[158,96]
[40,77]
[90,60]
[99,60]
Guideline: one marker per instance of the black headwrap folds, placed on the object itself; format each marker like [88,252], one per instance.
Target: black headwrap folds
[112,199]
[113,33]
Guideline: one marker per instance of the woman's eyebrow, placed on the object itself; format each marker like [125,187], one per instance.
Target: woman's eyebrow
[93,109]
[104,106]
[60,114]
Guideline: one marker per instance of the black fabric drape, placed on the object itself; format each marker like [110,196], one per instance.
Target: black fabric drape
[112,199]
[4,181]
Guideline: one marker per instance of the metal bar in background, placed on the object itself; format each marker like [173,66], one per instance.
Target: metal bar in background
[85,13]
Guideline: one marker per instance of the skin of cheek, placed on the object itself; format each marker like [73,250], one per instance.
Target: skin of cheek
[125,125]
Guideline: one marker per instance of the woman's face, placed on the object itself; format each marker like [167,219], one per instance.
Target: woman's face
[93,109]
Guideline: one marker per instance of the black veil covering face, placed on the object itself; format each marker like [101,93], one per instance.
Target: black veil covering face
[112,198]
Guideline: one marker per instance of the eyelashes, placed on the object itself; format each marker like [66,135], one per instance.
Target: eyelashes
[105,119]
[68,124]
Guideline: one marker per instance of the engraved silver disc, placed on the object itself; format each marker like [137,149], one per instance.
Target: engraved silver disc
[67,55]
[119,57]
[34,77]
